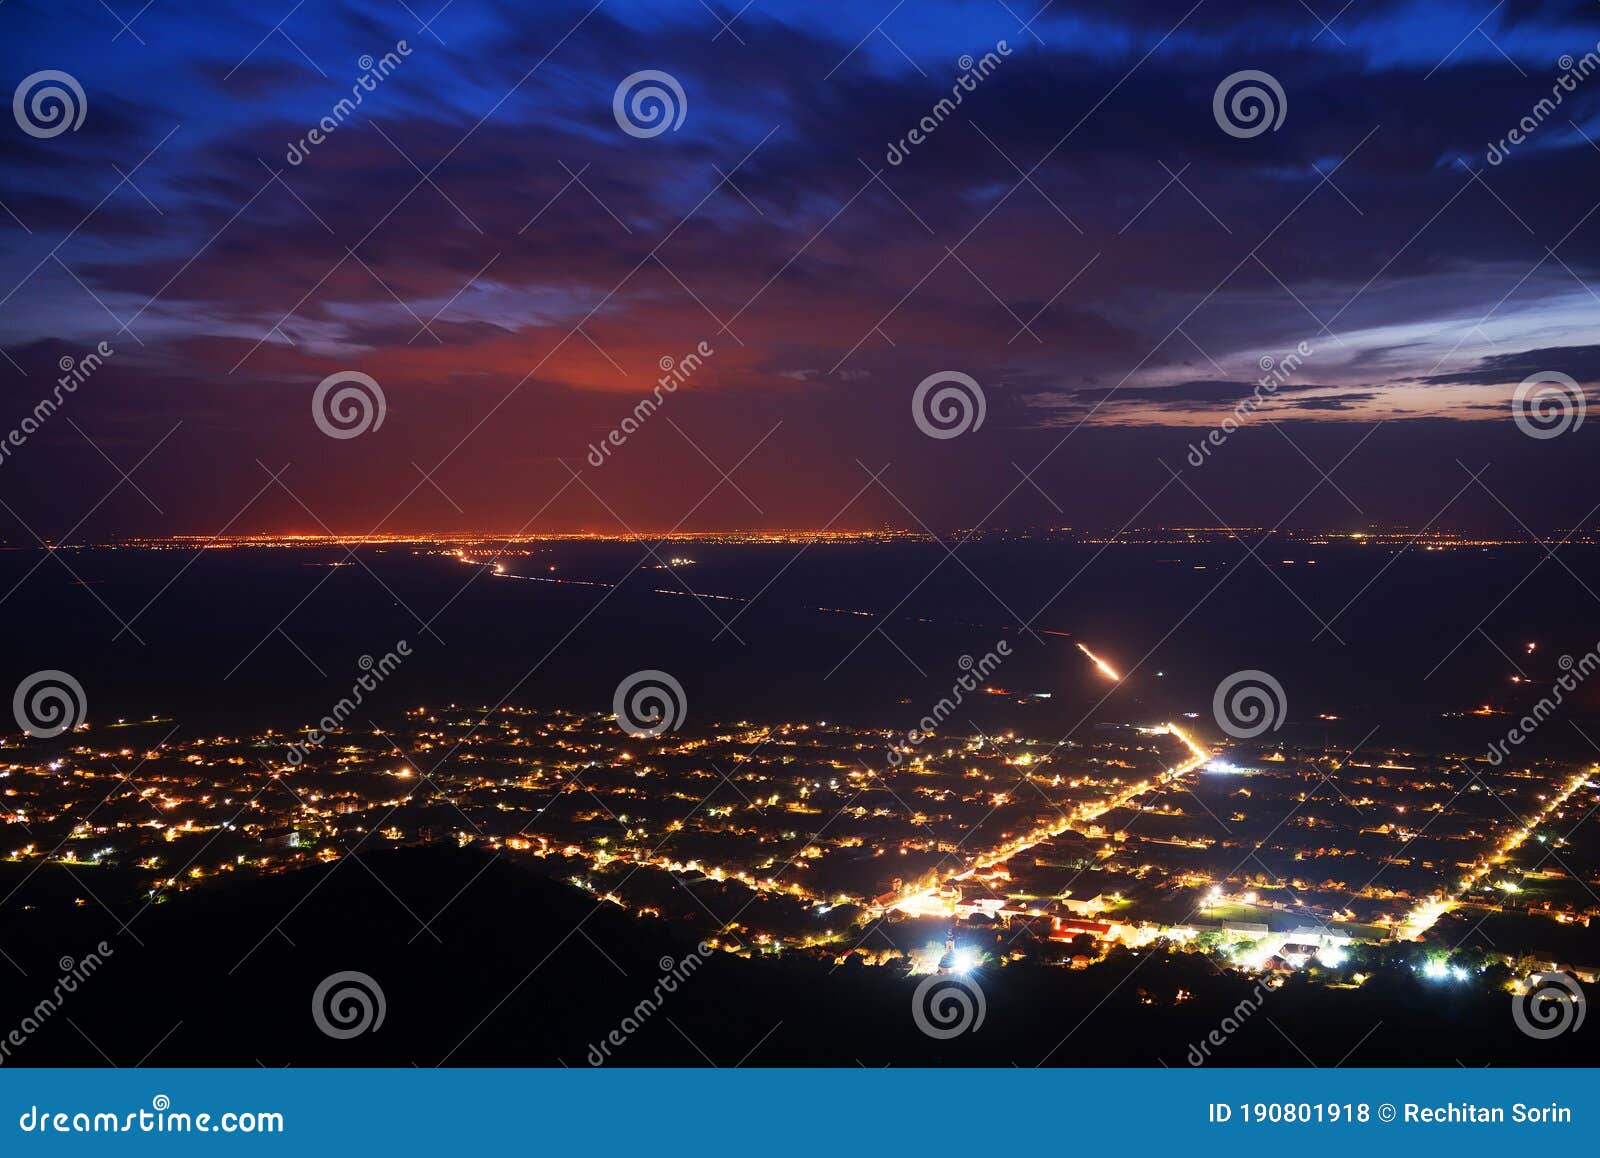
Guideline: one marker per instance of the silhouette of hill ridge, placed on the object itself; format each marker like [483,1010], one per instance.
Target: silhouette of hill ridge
[483,961]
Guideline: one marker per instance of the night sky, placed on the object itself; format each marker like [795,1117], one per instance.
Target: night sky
[1081,236]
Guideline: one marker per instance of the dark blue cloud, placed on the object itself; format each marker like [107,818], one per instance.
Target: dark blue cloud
[480,227]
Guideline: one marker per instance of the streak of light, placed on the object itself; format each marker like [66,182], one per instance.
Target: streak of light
[1426,914]
[939,900]
[499,571]
[1105,669]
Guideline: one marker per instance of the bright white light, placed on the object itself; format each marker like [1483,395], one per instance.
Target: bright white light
[1435,970]
[1332,956]
[966,960]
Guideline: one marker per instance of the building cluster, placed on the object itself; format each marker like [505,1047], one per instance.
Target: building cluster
[809,836]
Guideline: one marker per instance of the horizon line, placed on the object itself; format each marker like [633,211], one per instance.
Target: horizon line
[1372,532]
